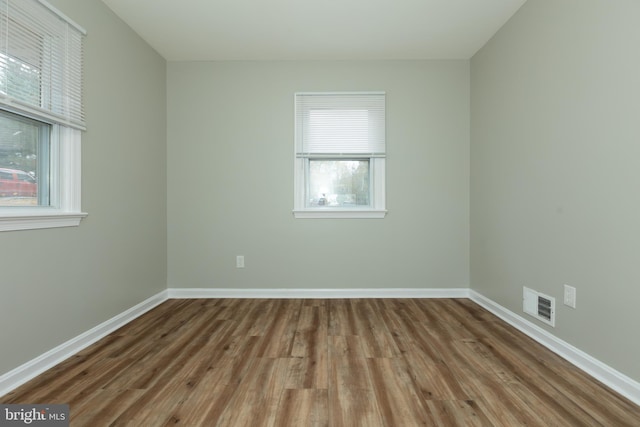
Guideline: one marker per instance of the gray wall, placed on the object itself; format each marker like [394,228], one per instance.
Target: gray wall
[555,166]
[58,283]
[230,178]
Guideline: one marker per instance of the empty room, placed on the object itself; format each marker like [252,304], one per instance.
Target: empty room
[338,213]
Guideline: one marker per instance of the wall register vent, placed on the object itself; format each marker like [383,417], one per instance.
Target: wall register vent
[540,306]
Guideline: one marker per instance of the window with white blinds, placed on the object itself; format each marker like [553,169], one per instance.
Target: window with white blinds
[340,151]
[42,116]
[41,62]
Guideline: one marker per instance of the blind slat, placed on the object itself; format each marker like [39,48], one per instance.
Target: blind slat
[339,124]
[41,56]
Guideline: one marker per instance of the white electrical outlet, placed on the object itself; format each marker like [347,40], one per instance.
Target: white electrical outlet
[570,296]
[240,261]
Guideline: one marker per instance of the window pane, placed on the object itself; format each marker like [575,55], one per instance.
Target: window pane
[338,183]
[24,161]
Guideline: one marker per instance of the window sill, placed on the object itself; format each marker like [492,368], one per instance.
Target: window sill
[339,213]
[35,220]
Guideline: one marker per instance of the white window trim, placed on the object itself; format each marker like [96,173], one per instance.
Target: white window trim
[377,210]
[339,214]
[65,209]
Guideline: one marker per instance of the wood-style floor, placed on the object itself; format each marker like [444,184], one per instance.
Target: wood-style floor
[360,362]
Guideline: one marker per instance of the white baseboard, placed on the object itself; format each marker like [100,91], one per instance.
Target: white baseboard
[31,369]
[179,293]
[600,371]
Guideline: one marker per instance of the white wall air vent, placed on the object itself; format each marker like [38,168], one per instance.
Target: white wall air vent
[540,306]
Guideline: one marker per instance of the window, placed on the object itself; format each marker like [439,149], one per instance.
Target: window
[340,155]
[24,161]
[41,116]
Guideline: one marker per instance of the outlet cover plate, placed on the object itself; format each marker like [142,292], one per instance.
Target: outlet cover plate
[569,296]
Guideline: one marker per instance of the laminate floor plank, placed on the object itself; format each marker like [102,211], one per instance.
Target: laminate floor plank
[105,407]
[280,332]
[456,413]
[255,401]
[309,407]
[352,407]
[434,381]
[342,319]
[398,400]
[308,373]
[311,334]
[319,362]
[377,339]
[348,346]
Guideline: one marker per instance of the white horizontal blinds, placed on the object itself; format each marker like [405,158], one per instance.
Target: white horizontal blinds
[40,62]
[340,124]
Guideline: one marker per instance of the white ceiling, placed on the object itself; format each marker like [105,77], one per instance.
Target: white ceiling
[198,30]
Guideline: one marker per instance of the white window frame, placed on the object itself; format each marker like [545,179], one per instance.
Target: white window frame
[64,208]
[377,179]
